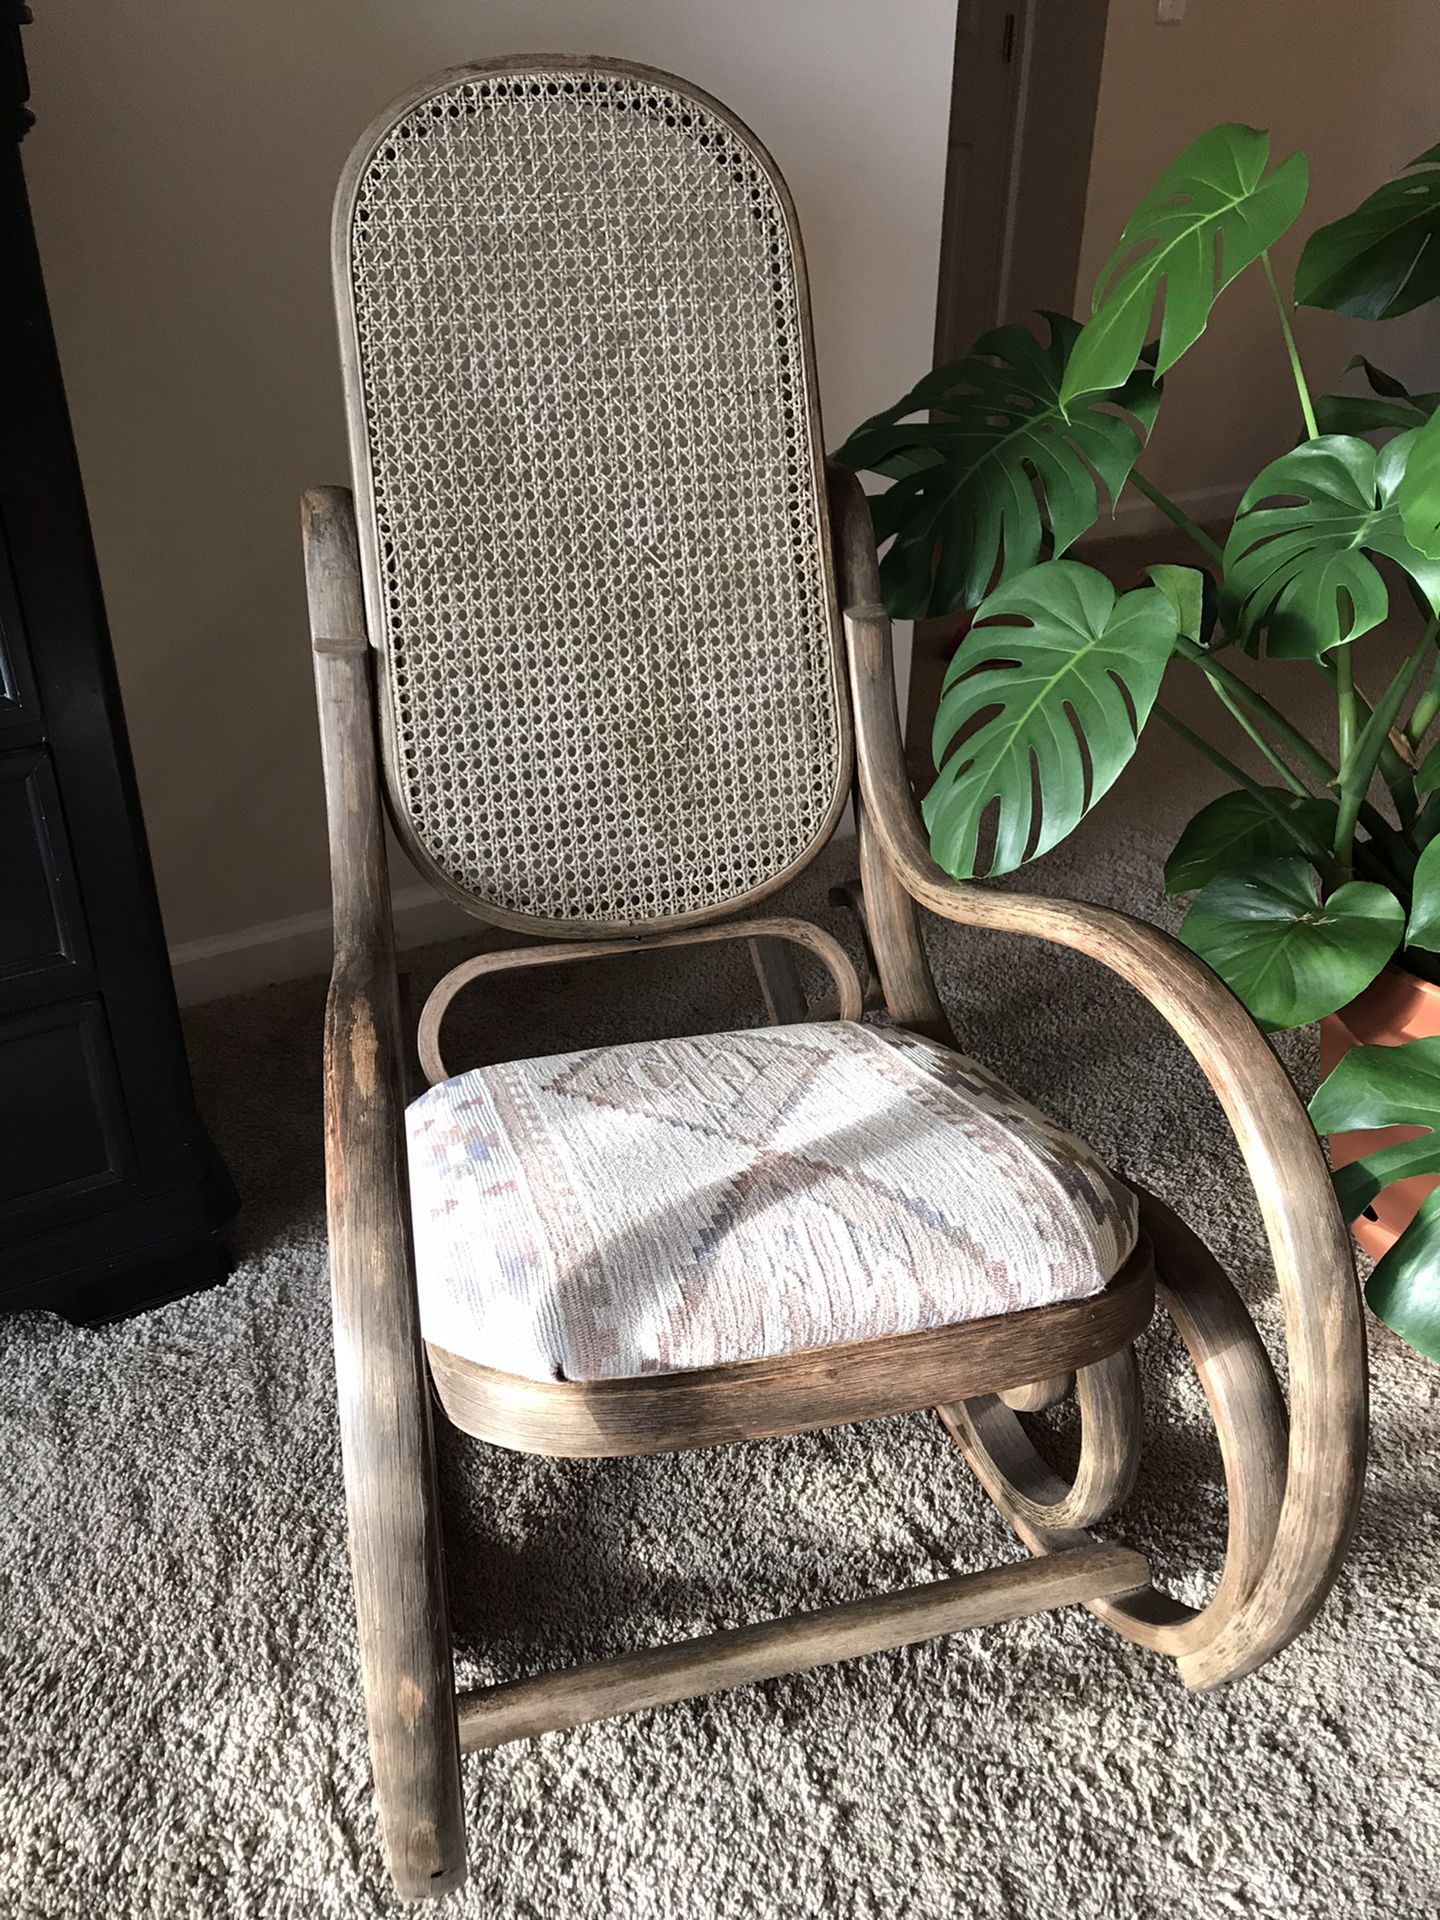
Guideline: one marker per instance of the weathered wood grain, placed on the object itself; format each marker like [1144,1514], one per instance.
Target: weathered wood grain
[386,1443]
[1310,1248]
[823,1387]
[740,1656]
[891,921]
[1250,1422]
[508,959]
[1039,1395]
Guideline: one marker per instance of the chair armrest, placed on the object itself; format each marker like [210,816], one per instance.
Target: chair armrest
[386,1441]
[1311,1250]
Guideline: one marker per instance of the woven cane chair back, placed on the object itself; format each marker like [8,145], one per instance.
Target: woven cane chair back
[589,480]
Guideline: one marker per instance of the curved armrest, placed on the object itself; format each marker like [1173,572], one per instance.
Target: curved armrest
[386,1442]
[1324,1328]
[799,933]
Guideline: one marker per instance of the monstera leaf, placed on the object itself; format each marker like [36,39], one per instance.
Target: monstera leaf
[1029,704]
[1424,926]
[1393,1087]
[1195,597]
[1418,494]
[1389,403]
[1427,774]
[1209,215]
[1238,829]
[1384,258]
[1300,574]
[980,487]
[1288,955]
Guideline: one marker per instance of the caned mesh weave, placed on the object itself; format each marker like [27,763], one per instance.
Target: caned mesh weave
[582,391]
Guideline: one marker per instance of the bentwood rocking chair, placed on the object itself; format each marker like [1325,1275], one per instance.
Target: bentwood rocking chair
[607,638]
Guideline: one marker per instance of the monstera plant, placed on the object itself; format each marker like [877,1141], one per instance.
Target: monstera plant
[1310,880]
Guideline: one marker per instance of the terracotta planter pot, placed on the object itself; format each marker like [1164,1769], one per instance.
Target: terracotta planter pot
[1396,1007]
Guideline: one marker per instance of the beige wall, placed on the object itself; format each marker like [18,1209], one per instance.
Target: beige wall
[181,168]
[1354,85]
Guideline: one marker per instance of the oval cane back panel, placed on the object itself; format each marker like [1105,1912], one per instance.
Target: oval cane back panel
[590,485]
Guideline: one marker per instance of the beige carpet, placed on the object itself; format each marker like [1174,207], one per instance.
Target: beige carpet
[180,1721]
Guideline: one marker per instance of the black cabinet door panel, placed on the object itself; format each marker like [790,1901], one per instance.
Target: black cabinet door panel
[40,927]
[63,1131]
[19,714]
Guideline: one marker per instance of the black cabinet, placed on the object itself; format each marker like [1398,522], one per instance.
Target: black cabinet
[111,1196]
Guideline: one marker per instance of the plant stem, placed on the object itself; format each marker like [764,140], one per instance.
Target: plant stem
[1177,516]
[1309,756]
[1345,703]
[1296,828]
[1398,778]
[1358,769]
[1307,407]
[1247,726]
[1256,703]
[1426,708]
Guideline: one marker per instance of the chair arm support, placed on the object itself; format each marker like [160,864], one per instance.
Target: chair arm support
[345,695]
[1314,1265]
[385,1434]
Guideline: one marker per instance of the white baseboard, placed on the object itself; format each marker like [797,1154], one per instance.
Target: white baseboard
[293,949]
[1137,515]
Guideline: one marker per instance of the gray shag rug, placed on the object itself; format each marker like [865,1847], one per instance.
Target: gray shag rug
[181,1730]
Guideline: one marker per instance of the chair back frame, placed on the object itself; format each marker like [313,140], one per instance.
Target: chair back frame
[586,71]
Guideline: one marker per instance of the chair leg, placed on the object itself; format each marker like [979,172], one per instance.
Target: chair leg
[1250,1420]
[1040,1395]
[397,1566]
[410,1065]
[1034,1495]
[850,894]
[779,977]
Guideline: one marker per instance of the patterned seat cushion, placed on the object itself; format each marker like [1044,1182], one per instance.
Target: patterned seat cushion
[686,1203]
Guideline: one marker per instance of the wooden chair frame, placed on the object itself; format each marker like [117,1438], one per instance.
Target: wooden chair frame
[1293,1483]
[1293,1486]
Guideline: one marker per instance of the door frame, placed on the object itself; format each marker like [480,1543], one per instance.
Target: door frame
[1031,270]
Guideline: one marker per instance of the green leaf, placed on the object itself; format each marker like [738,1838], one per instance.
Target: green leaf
[1418,494]
[1427,774]
[1210,213]
[1237,830]
[1300,574]
[1003,477]
[1393,1087]
[1383,383]
[1289,957]
[1424,928]
[1195,597]
[1388,404]
[1404,1289]
[1375,1087]
[1379,381]
[1384,258]
[1367,413]
[1184,588]
[1028,705]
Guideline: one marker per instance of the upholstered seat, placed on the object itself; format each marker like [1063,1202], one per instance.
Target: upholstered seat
[688,1203]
